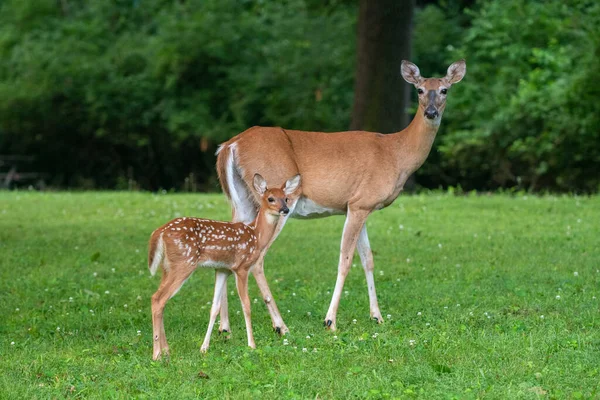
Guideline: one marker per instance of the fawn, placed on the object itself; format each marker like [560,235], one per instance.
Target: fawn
[184,244]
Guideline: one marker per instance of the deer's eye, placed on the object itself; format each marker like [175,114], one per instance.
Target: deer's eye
[270,199]
[287,200]
[444,91]
[420,91]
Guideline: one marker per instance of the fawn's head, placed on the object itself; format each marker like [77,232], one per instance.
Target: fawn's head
[275,201]
[432,91]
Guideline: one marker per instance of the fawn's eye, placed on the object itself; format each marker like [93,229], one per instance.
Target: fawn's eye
[287,200]
[444,91]
[420,91]
[270,199]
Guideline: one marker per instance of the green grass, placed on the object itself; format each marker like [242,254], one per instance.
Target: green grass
[472,285]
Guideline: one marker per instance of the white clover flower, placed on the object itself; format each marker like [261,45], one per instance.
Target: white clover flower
[557,297]
[285,342]
[354,321]
[412,342]
[12,343]
[314,350]
[419,313]
[125,305]
[408,260]
[293,294]
[70,299]
[106,292]
[304,349]
[112,269]
[308,336]
[439,245]
[541,317]
[95,274]
[389,316]
[335,337]
[575,273]
[58,329]
[309,313]
[17,309]
[139,333]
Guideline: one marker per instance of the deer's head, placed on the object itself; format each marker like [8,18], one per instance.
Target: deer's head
[275,201]
[432,91]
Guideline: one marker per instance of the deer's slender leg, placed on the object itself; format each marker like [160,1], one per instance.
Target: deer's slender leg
[241,280]
[224,310]
[170,283]
[366,258]
[261,280]
[355,220]
[220,279]
[245,212]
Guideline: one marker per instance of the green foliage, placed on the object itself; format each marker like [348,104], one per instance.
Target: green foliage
[138,93]
[469,315]
[527,115]
[110,91]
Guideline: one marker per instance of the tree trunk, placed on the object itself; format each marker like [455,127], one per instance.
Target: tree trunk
[381,96]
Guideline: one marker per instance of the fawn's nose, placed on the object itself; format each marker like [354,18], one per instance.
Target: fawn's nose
[284,211]
[431,113]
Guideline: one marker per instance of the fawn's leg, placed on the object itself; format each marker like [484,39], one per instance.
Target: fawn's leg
[261,280]
[170,283]
[241,281]
[220,279]
[242,211]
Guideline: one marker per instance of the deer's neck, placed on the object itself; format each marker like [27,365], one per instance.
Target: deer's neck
[414,143]
[264,227]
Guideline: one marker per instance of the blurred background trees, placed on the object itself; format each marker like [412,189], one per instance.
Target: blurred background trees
[138,93]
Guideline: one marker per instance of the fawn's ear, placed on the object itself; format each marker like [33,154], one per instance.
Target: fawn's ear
[410,72]
[260,185]
[456,72]
[291,185]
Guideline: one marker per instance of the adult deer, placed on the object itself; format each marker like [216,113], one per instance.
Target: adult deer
[183,244]
[352,173]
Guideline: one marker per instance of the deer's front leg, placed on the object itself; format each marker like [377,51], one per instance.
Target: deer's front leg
[241,280]
[366,258]
[354,223]
[259,274]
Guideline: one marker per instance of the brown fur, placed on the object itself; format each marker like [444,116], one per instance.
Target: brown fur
[353,172]
[225,246]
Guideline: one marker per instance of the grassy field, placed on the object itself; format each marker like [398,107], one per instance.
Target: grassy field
[486,297]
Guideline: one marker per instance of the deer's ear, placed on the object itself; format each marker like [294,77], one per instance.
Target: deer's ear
[410,72]
[260,185]
[291,185]
[456,72]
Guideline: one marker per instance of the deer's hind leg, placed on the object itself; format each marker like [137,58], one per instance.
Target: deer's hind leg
[220,279]
[172,279]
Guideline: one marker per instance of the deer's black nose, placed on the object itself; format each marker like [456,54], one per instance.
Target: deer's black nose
[431,113]
[284,211]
